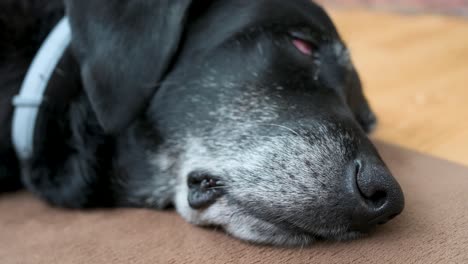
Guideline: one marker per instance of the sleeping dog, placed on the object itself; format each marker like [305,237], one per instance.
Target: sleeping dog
[247,115]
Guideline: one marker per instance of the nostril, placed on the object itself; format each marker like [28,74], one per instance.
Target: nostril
[378,199]
[357,168]
[374,198]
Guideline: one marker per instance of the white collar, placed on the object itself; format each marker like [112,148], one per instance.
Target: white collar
[28,101]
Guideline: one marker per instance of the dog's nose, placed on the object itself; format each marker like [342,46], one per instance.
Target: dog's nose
[379,195]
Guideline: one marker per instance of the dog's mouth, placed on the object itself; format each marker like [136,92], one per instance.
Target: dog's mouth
[204,189]
[335,233]
[290,235]
[288,232]
[331,233]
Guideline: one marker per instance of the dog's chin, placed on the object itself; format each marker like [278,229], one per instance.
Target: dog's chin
[280,237]
[246,227]
[268,234]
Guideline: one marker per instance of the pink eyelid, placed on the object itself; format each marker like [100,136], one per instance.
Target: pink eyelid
[303,46]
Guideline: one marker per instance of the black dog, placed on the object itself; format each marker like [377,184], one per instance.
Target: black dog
[247,115]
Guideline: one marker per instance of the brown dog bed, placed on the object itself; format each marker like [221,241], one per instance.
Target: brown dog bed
[432,229]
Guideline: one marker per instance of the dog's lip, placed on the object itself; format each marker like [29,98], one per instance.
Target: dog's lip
[294,228]
[195,177]
[334,233]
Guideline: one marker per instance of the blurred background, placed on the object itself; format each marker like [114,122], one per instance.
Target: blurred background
[413,60]
[449,7]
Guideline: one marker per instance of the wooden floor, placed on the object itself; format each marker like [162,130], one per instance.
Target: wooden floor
[415,71]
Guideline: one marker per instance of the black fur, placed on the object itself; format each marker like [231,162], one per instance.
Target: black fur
[152,74]
[24,24]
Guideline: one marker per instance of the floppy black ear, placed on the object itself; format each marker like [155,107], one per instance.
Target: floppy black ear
[358,103]
[124,48]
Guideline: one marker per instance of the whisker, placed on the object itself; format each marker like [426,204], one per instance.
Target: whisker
[284,127]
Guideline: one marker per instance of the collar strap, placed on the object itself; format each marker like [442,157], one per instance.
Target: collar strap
[31,96]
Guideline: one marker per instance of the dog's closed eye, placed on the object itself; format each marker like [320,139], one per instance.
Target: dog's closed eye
[303,46]
[303,43]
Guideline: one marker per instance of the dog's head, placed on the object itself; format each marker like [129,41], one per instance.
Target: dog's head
[251,113]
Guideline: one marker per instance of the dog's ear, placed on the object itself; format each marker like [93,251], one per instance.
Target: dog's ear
[358,103]
[124,48]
